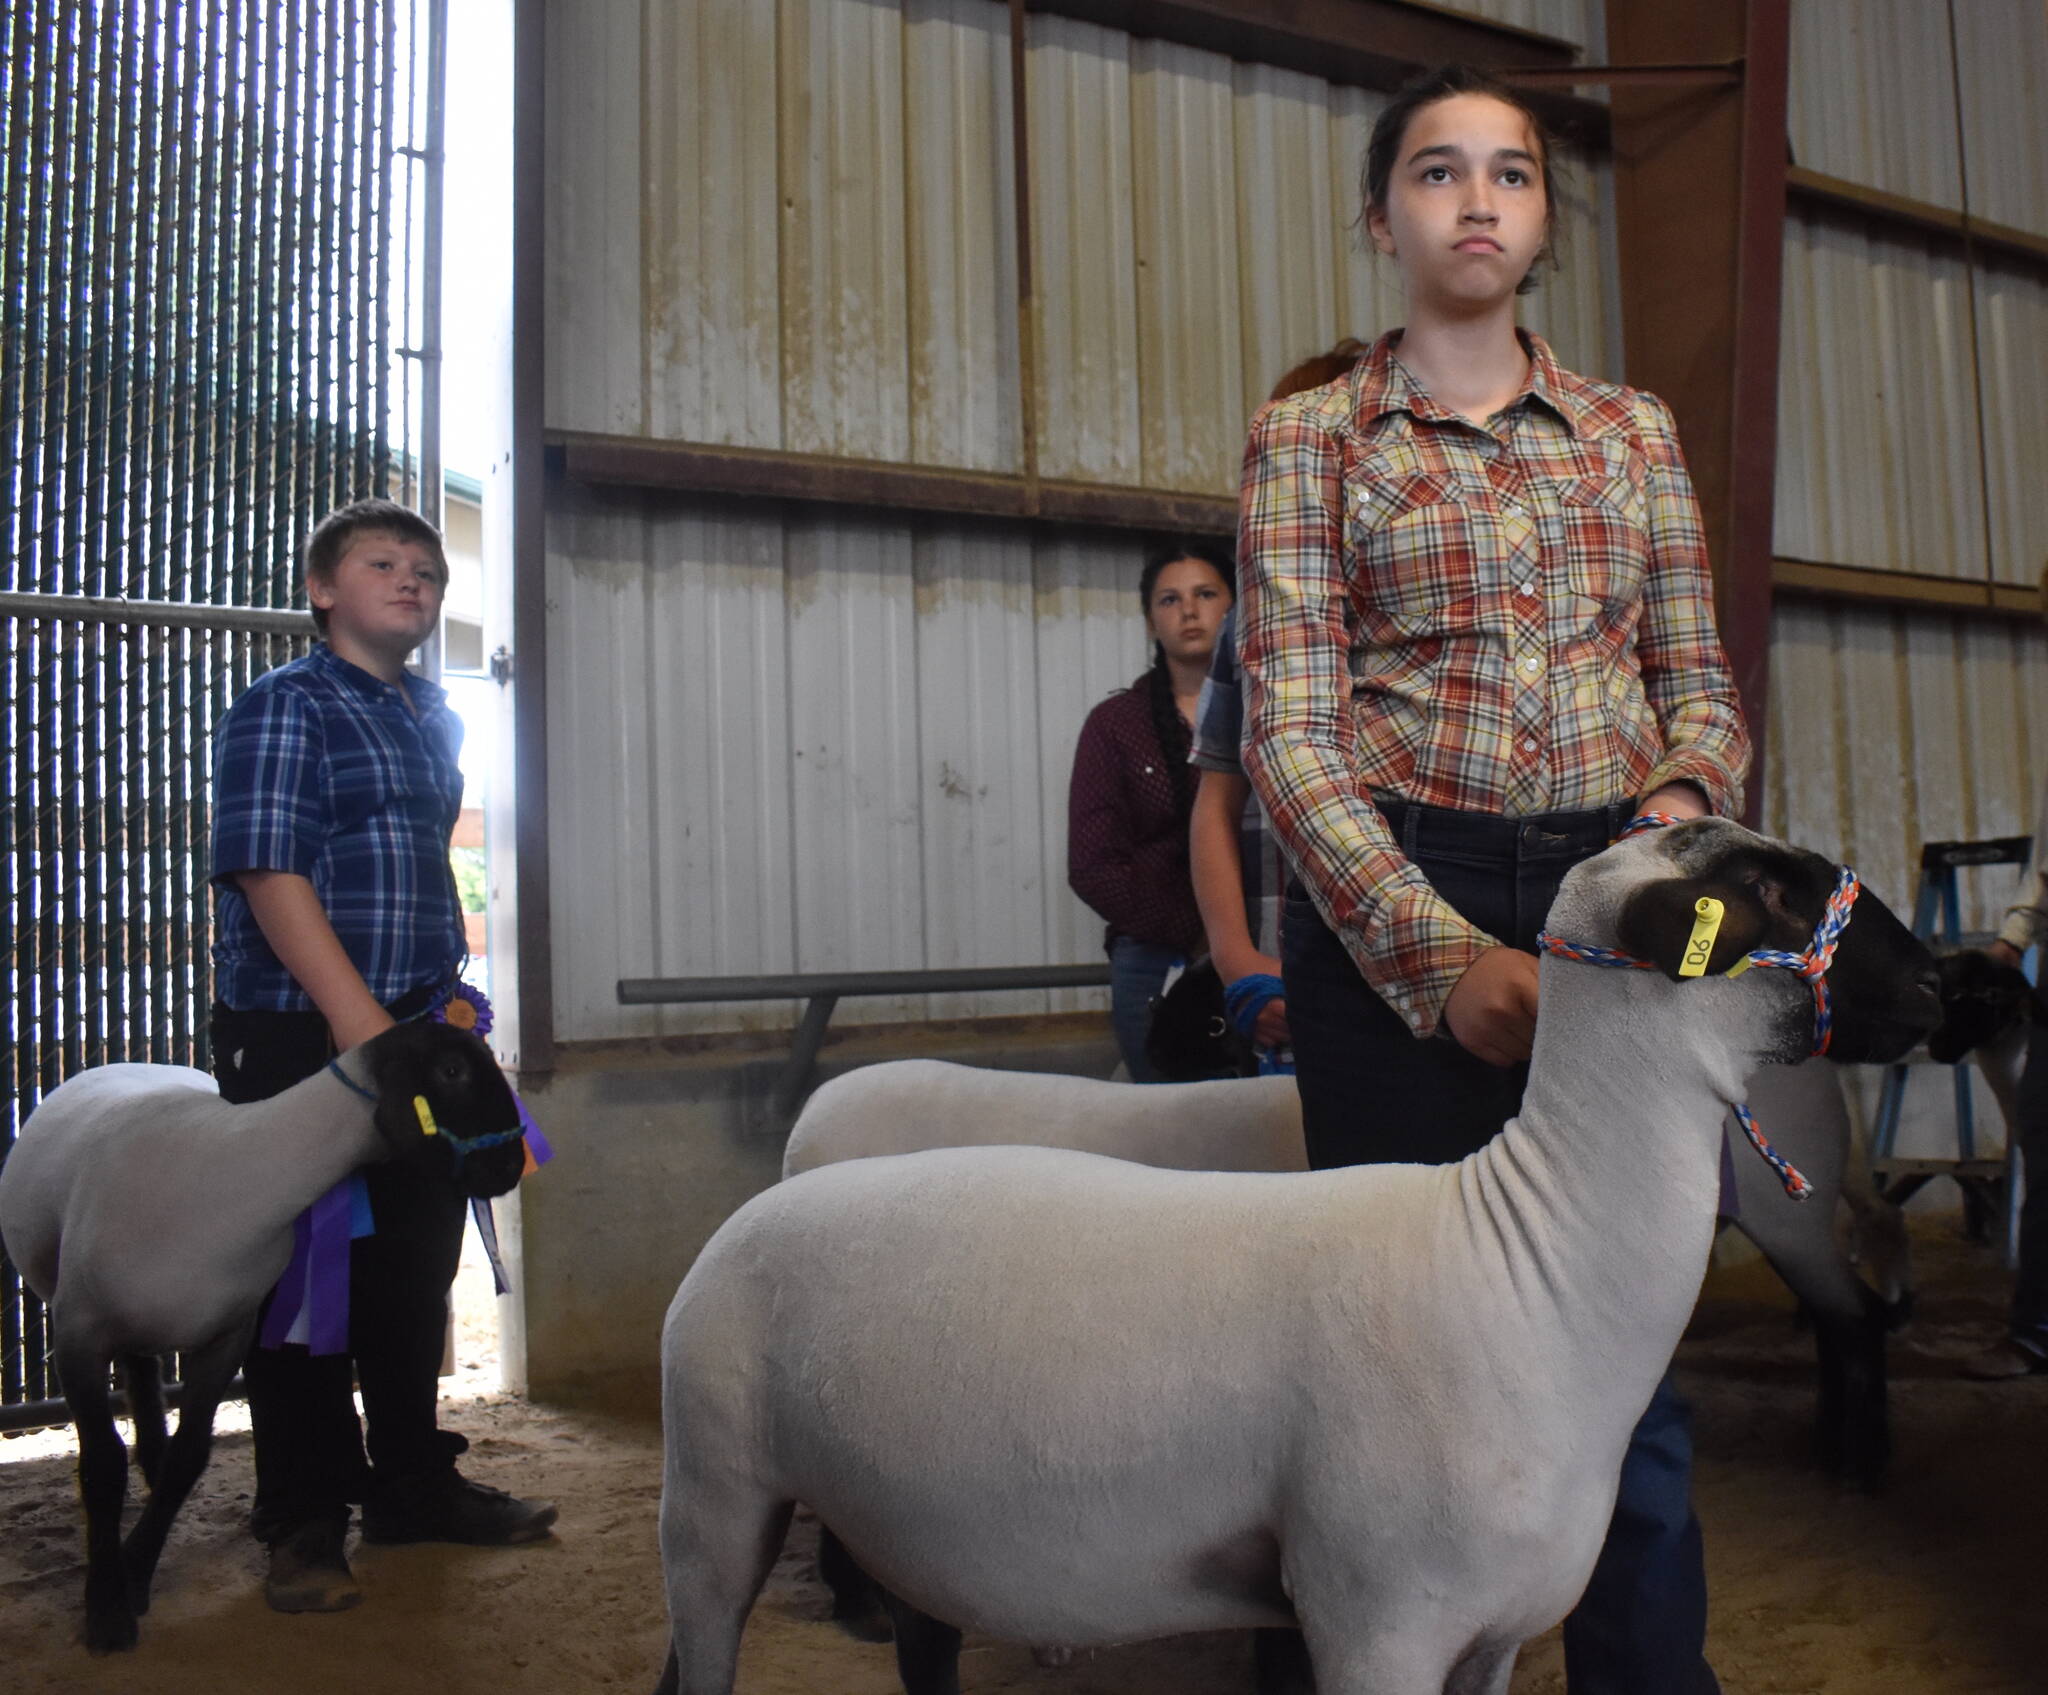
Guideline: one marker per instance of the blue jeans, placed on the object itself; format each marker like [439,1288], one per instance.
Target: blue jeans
[1372,1094]
[1137,972]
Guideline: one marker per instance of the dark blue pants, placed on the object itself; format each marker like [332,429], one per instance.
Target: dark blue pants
[1372,1094]
[312,1459]
[1137,972]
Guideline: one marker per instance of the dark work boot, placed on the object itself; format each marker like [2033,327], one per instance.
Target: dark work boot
[448,1507]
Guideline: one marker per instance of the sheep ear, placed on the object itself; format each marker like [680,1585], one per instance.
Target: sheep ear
[1658,923]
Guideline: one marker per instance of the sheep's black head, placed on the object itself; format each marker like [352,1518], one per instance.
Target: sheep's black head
[1882,983]
[466,1098]
[1980,1000]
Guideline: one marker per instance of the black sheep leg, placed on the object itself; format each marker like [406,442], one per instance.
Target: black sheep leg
[102,1487]
[1853,1429]
[857,1602]
[927,1650]
[208,1371]
[142,1376]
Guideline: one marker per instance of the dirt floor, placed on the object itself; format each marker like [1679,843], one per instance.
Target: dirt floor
[1933,1587]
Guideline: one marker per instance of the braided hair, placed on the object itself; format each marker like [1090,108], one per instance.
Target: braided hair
[1176,740]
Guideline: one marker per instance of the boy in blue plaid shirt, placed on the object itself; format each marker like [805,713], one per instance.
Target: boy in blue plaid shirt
[335,794]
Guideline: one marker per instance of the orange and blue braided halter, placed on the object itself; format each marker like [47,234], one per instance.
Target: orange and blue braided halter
[1812,964]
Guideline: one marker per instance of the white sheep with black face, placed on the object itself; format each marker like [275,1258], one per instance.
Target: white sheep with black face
[1062,1398]
[152,1217]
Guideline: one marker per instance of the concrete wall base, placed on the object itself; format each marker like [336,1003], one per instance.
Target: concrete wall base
[656,1149]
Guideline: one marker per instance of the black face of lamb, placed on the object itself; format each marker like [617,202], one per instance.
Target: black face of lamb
[1980,1000]
[465,1092]
[1882,983]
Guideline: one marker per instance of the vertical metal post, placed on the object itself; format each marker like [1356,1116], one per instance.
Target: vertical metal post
[434,170]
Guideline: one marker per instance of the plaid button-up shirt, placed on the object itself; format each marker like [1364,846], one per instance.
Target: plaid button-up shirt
[1509,620]
[321,769]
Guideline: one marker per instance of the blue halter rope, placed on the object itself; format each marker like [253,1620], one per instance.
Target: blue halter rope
[1811,964]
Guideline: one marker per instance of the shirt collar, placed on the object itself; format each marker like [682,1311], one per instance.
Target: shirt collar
[426,694]
[1380,384]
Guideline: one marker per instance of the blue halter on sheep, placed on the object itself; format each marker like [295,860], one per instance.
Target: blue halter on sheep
[152,1218]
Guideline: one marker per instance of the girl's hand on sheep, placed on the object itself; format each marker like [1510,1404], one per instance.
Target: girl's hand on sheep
[2005,953]
[1492,1007]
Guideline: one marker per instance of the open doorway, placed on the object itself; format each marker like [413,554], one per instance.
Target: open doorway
[476,435]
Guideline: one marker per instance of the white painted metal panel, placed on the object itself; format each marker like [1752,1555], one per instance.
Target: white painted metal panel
[1877,428]
[2002,55]
[712,224]
[814,745]
[845,314]
[1184,171]
[965,390]
[602,661]
[859,865]
[1090,639]
[978,757]
[593,353]
[1290,228]
[718,861]
[1085,317]
[2012,331]
[1871,95]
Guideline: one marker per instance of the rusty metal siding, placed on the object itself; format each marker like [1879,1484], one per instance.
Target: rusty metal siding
[594,357]
[1291,211]
[817,744]
[2012,330]
[1890,728]
[1871,96]
[1878,462]
[2002,57]
[965,380]
[1084,251]
[710,216]
[1193,400]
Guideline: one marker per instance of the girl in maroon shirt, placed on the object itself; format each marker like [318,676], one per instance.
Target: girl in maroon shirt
[1132,790]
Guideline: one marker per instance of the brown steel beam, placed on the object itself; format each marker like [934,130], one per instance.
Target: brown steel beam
[1724,73]
[1854,584]
[1744,598]
[1699,194]
[879,485]
[1366,43]
[1895,212]
[534,942]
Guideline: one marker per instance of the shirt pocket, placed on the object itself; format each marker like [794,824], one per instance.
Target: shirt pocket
[1606,538]
[1410,539]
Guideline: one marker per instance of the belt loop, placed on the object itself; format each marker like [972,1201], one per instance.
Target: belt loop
[1411,831]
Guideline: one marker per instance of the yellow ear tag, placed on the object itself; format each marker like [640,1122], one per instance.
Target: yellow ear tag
[425,1115]
[1699,946]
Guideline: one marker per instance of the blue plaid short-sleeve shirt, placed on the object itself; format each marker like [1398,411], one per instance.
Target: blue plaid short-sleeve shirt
[322,769]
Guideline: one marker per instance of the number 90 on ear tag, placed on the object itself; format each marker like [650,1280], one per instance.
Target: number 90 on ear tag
[1699,946]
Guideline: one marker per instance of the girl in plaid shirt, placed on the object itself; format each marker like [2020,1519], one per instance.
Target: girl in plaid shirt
[1477,637]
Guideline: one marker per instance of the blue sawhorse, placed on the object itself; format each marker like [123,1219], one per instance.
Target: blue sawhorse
[1990,1186]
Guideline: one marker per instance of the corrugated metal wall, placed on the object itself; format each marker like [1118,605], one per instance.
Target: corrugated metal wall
[1893,727]
[842,743]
